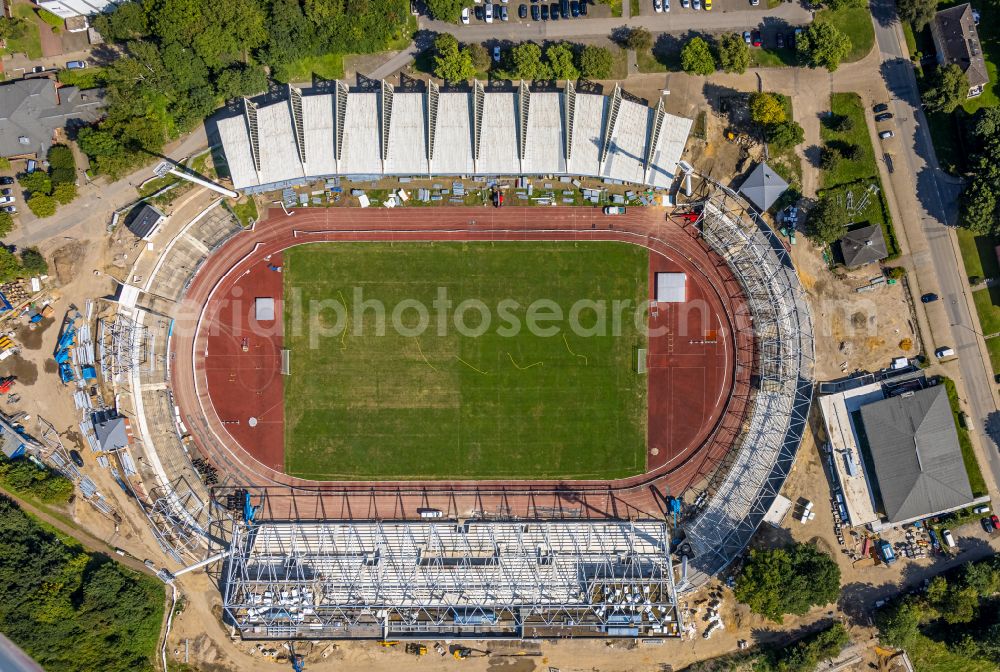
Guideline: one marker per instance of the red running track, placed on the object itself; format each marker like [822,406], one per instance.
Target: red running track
[692,426]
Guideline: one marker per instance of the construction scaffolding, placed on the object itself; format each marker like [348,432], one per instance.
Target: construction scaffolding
[722,528]
[122,345]
[478,579]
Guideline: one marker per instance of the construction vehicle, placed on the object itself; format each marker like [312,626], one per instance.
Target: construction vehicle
[386,643]
[298,662]
[416,649]
[463,652]
[6,383]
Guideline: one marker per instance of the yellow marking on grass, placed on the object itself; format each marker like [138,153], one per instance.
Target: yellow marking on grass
[519,367]
[583,357]
[471,366]
[421,350]
[347,325]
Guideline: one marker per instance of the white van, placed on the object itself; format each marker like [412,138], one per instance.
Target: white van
[941,353]
[948,539]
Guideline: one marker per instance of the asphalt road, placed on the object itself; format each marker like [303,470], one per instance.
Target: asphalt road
[930,195]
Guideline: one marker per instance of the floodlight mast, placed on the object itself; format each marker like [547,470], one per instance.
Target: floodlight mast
[166,168]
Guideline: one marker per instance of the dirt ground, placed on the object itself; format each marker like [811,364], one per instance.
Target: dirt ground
[853,330]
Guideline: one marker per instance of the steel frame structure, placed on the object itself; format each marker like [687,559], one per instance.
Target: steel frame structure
[122,345]
[720,531]
[478,579]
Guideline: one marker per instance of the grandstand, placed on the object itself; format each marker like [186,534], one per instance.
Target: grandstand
[478,579]
[332,130]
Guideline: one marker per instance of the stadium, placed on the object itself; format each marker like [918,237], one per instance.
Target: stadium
[451,485]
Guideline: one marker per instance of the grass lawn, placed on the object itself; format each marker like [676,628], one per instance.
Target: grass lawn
[647,62]
[976,480]
[978,254]
[911,40]
[615,5]
[328,66]
[634,7]
[856,23]
[947,141]
[849,105]
[993,347]
[245,211]
[26,40]
[506,403]
[773,58]
[988,306]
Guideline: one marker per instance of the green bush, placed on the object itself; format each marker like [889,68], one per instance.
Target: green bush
[33,262]
[23,477]
[788,580]
[51,19]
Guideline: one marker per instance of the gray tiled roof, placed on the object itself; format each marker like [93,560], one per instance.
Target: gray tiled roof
[32,109]
[957,41]
[863,246]
[763,186]
[915,452]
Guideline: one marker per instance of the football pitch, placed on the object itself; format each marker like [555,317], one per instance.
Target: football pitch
[426,399]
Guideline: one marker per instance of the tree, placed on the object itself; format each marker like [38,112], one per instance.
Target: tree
[734,54]
[64,193]
[595,62]
[766,108]
[785,135]
[851,151]
[948,88]
[639,39]
[525,62]
[827,221]
[451,63]
[9,268]
[788,580]
[480,57]
[37,182]
[127,22]
[6,224]
[33,262]
[822,45]
[561,61]
[696,57]
[42,205]
[829,157]
[898,623]
[446,10]
[918,12]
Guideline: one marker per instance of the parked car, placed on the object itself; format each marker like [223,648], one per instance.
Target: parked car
[754,3]
[881,107]
[9,209]
[574,9]
[996,521]
[583,8]
[76,65]
[545,12]
[489,13]
[4,200]
[696,4]
[496,54]
[757,40]
[555,11]
[657,6]
[38,68]
[6,179]
[503,12]
[987,525]
[929,297]
[746,37]
[7,192]
[780,37]
[479,13]
[614,210]
[686,4]
[943,352]
[465,15]
[708,5]
[885,116]
[77,459]
[430,513]
[535,14]
[522,12]
[948,539]
[886,135]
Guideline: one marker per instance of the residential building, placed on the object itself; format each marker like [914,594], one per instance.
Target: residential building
[956,40]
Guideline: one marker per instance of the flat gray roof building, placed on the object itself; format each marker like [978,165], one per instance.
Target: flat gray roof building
[31,110]
[915,452]
[337,131]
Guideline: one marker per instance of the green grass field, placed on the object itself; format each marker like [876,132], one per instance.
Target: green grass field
[429,406]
